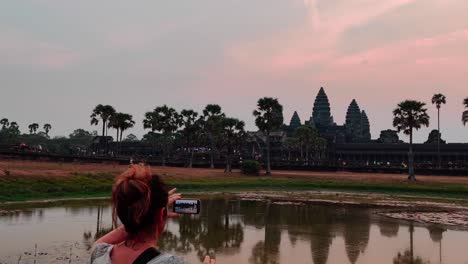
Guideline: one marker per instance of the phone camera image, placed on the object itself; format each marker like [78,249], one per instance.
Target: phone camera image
[187,206]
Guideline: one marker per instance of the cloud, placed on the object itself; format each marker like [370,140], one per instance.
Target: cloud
[314,43]
[17,48]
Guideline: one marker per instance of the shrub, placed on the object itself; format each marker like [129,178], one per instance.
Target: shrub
[251,167]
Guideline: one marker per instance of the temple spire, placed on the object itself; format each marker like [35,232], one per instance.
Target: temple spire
[365,127]
[295,121]
[321,113]
[353,122]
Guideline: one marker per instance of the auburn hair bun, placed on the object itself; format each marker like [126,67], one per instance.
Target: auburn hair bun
[136,196]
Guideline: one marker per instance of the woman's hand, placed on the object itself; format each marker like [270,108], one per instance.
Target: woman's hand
[173,196]
[209,260]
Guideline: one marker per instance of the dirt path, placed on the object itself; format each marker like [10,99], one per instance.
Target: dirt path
[52,169]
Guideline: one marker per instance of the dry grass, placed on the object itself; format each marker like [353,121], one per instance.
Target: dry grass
[52,170]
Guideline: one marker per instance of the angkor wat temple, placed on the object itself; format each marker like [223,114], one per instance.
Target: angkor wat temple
[347,145]
[355,130]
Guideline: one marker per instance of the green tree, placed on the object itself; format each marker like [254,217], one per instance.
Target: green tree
[307,137]
[438,99]
[4,122]
[47,128]
[232,134]
[10,132]
[103,112]
[465,113]
[410,115]
[33,128]
[320,147]
[268,118]
[212,117]
[191,132]
[165,120]
[291,145]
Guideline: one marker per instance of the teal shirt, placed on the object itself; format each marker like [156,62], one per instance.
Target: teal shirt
[101,255]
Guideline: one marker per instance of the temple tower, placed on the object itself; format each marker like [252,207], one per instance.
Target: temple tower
[353,123]
[365,127]
[321,114]
[295,122]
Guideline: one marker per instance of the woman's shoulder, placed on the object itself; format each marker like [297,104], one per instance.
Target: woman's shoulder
[167,259]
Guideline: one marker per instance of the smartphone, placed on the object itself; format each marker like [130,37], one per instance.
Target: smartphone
[187,206]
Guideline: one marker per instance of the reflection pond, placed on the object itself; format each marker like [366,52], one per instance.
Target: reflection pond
[239,231]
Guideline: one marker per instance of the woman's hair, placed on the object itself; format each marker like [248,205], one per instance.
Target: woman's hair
[137,198]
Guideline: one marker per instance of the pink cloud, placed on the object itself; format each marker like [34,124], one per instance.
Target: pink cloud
[314,43]
[17,48]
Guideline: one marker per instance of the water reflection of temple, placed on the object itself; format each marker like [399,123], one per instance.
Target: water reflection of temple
[221,229]
[318,225]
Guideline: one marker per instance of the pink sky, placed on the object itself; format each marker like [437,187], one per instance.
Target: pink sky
[190,54]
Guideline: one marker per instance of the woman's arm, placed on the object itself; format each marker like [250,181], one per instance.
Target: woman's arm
[116,236]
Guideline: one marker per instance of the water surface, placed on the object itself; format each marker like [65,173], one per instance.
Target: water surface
[237,231]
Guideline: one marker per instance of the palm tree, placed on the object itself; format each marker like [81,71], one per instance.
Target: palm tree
[47,128]
[232,133]
[438,100]
[33,128]
[14,125]
[306,136]
[268,118]
[191,130]
[125,122]
[410,115]
[104,112]
[4,122]
[465,113]
[212,116]
[165,120]
[121,122]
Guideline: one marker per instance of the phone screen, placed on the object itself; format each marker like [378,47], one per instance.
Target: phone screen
[187,206]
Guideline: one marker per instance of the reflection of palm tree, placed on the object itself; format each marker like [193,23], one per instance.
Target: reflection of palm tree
[436,235]
[388,227]
[407,258]
[88,238]
[267,251]
[207,233]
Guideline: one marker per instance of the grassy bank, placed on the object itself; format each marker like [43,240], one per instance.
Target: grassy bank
[94,185]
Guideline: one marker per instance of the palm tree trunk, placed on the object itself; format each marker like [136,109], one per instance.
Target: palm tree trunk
[227,168]
[438,138]
[103,128]
[211,151]
[190,163]
[411,242]
[164,151]
[411,175]
[268,168]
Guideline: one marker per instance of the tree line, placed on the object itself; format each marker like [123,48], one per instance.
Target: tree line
[219,132]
